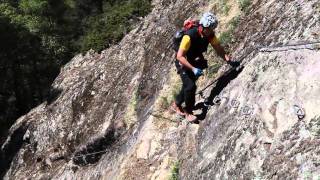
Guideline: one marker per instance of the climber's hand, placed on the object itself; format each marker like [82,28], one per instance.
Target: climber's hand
[227,58]
[234,63]
[197,71]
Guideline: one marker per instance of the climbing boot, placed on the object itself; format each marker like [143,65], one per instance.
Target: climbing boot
[191,118]
[177,109]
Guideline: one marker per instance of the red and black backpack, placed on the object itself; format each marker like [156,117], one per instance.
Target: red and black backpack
[187,25]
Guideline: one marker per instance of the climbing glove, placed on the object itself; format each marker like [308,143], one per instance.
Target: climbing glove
[197,72]
[234,63]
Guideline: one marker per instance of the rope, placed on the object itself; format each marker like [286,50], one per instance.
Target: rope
[166,118]
[214,81]
[246,110]
[89,154]
[292,48]
[105,151]
[288,45]
[260,49]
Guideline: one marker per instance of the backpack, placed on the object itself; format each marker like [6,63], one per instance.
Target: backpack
[188,24]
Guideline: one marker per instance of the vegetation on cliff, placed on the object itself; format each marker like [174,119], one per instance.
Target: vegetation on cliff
[39,36]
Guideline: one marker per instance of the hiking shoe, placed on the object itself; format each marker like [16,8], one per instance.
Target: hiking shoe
[191,118]
[178,109]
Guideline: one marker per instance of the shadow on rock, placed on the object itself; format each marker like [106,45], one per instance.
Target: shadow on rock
[53,95]
[222,82]
[93,151]
[11,148]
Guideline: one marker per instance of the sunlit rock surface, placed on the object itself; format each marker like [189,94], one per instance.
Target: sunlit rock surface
[265,123]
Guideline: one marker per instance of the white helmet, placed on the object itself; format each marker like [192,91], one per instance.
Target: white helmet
[209,20]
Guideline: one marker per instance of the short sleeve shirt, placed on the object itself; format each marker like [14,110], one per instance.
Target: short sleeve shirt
[186,42]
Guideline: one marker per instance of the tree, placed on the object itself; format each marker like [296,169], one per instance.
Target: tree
[38,36]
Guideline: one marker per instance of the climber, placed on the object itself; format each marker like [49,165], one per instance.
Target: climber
[190,62]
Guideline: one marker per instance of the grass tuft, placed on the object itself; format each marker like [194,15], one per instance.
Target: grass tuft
[244,5]
[131,112]
[227,36]
[175,171]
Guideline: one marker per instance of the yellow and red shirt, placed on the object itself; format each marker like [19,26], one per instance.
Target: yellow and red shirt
[186,42]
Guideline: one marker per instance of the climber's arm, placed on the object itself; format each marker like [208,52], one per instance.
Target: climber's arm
[183,49]
[219,49]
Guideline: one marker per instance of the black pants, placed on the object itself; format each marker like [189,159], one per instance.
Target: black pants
[188,90]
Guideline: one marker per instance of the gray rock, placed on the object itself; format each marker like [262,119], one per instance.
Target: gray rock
[98,124]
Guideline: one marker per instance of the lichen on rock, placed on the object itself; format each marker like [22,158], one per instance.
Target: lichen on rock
[100,122]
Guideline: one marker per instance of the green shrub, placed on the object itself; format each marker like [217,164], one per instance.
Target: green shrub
[227,36]
[213,70]
[109,27]
[225,7]
[33,6]
[244,5]
[39,36]
[167,99]
[175,171]
[164,102]
[234,22]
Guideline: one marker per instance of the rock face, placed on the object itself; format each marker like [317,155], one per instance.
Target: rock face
[255,131]
[99,122]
